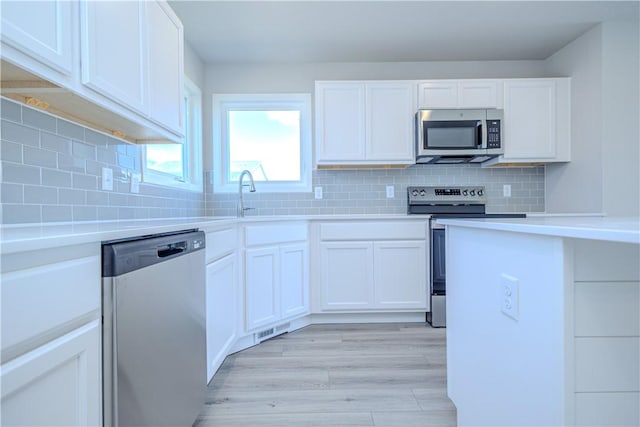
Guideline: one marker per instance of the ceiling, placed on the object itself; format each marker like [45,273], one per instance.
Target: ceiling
[388,31]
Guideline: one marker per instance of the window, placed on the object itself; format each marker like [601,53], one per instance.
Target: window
[268,135]
[179,165]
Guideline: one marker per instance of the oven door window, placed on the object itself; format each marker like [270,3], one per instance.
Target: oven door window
[438,280]
[452,135]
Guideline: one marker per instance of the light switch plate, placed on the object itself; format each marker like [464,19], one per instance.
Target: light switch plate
[317,191]
[107,179]
[390,192]
[135,183]
[506,190]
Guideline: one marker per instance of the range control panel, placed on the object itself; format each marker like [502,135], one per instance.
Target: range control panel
[435,195]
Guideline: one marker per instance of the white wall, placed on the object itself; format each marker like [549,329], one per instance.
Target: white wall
[582,60]
[193,66]
[621,117]
[603,175]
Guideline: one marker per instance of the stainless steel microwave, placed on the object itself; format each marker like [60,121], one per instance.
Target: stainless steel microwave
[458,136]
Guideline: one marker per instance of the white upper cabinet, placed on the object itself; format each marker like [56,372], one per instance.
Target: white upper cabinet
[536,121]
[114,57]
[41,29]
[115,66]
[477,93]
[365,123]
[166,66]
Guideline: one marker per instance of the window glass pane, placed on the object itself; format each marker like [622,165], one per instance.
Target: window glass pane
[267,143]
[166,158]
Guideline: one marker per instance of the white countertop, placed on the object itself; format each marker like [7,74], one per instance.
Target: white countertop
[614,229]
[24,237]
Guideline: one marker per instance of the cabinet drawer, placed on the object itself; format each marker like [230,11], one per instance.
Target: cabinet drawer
[220,243]
[374,230]
[256,235]
[39,303]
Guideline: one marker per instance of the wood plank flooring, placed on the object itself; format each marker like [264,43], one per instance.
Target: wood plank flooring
[335,375]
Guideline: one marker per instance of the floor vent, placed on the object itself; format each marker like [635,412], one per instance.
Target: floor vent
[271,332]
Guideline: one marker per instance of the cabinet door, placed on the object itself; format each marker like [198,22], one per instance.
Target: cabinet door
[347,275]
[400,274]
[41,29]
[530,119]
[262,299]
[340,122]
[113,53]
[294,280]
[222,311]
[390,111]
[438,94]
[478,94]
[166,58]
[57,384]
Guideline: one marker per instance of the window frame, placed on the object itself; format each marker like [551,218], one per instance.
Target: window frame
[223,103]
[192,147]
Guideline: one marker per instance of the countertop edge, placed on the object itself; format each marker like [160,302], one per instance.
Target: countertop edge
[614,229]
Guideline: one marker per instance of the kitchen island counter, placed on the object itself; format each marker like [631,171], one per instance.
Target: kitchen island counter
[543,321]
[613,229]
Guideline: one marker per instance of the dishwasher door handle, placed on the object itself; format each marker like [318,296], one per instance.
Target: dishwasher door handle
[172,249]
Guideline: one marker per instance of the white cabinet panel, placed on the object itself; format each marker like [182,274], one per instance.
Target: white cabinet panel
[262,296]
[42,29]
[437,94]
[530,119]
[166,59]
[365,123]
[56,384]
[36,301]
[389,121]
[477,93]
[607,309]
[347,275]
[294,279]
[607,409]
[222,311]
[340,121]
[400,274]
[607,364]
[114,57]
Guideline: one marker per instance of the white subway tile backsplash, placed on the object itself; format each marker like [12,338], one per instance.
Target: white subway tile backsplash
[14,172]
[68,129]
[35,194]
[11,193]
[15,132]
[11,151]
[71,197]
[84,151]
[38,120]
[56,213]
[85,182]
[50,141]
[10,111]
[70,163]
[38,157]
[14,213]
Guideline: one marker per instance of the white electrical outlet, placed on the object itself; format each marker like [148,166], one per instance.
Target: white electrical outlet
[510,296]
[390,192]
[506,190]
[107,179]
[317,191]
[135,183]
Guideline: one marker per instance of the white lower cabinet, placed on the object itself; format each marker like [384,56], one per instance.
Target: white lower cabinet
[276,274]
[51,371]
[57,384]
[222,310]
[373,266]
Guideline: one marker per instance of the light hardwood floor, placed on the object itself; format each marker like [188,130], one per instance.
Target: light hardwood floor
[335,375]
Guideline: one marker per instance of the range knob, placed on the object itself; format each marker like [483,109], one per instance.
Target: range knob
[465,192]
[422,193]
[480,192]
[414,193]
[472,192]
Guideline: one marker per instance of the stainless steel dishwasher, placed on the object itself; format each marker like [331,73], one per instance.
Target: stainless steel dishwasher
[154,368]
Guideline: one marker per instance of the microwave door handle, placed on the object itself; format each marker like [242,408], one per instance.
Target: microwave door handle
[479,135]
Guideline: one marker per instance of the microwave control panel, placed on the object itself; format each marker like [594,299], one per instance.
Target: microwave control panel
[493,134]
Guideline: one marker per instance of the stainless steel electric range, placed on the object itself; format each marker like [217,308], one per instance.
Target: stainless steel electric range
[446,202]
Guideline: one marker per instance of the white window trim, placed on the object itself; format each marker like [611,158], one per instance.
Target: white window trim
[223,102]
[193,155]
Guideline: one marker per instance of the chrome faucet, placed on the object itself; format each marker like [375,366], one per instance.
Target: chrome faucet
[252,189]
